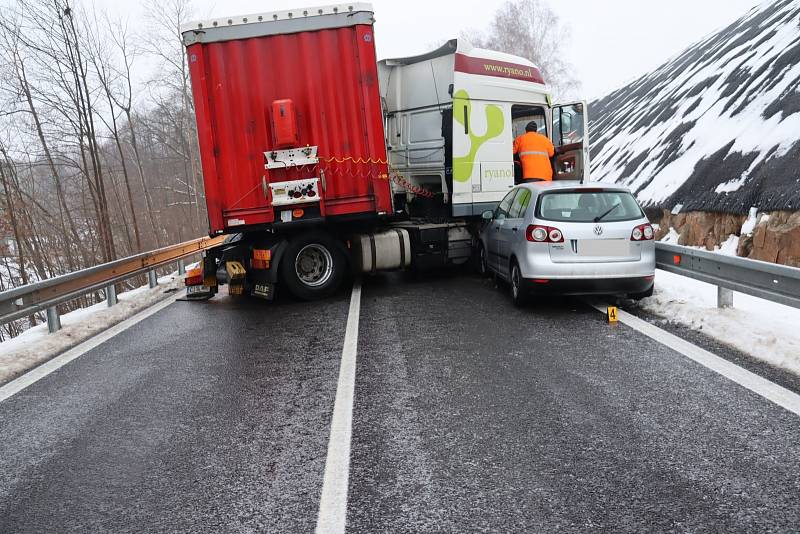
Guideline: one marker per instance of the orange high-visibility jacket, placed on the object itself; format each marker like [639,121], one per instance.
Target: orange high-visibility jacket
[535,151]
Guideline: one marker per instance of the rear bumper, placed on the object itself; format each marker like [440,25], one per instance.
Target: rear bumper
[589,286]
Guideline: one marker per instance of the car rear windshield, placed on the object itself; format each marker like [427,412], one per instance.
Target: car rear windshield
[588,206]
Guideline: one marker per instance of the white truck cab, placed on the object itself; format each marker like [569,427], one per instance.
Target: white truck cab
[451,117]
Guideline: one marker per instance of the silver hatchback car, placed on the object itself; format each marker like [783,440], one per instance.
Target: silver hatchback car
[569,238]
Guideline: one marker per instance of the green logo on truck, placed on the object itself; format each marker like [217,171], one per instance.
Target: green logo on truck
[462,113]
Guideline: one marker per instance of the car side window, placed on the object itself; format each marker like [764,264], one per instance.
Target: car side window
[505,205]
[520,204]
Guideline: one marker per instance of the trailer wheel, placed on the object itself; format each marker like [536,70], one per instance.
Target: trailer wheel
[313,266]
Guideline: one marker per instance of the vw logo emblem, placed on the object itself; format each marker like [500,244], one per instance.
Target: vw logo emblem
[598,230]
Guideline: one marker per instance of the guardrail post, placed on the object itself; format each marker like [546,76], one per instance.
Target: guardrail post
[53,320]
[181,266]
[111,295]
[151,277]
[724,297]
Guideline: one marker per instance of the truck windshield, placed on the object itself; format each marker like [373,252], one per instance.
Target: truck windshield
[586,206]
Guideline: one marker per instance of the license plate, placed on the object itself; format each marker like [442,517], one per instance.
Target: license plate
[604,247]
[191,290]
[264,291]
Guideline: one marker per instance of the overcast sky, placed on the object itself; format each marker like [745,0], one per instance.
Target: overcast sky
[613,41]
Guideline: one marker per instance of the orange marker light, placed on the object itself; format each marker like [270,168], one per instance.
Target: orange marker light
[298,213]
[676,259]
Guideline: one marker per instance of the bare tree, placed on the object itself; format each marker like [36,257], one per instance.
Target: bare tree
[117,100]
[164,42]
[91,159]
[530,29]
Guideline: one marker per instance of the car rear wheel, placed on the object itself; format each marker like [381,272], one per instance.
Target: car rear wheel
[518,294]
[313,266]
[642,295]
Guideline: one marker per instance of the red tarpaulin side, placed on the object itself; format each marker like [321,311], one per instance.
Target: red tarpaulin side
[331,77]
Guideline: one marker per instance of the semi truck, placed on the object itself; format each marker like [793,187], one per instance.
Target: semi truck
[319,161]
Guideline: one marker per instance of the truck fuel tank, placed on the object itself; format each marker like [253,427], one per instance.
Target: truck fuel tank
[382,251]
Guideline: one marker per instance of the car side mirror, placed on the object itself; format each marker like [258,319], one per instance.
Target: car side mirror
[487,215]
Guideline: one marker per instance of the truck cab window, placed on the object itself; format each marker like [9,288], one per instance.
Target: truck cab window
[568,125]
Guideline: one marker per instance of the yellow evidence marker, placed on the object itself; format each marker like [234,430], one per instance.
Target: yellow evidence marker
[612,314]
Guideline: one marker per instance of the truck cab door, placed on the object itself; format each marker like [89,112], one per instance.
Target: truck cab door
[570,130]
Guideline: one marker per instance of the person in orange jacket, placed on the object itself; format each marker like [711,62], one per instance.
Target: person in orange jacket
[535,151]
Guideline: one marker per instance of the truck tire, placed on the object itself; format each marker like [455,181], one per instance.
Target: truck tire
[313,266]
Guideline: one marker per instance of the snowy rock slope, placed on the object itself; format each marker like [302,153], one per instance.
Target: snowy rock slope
[716,128]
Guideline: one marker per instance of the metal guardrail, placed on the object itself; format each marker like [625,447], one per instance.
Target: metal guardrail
[26,300]
[778,283]
[770,281]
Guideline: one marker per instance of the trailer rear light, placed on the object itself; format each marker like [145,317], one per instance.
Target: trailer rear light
[643,232]
[297,213]
[543,234]
[194,277]
[261,258]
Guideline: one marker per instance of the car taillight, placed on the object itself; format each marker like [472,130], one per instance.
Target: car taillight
[544,234]
[643,232]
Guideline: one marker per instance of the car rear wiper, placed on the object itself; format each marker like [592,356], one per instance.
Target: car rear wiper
[612,208]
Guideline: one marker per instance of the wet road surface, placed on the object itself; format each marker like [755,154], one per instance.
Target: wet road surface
[469,415]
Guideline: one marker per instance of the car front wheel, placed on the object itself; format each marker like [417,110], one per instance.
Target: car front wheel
[482,264]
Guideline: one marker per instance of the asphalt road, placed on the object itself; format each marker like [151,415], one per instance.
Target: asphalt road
[469,415]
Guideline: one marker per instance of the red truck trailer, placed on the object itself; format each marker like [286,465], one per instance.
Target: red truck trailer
[318,161]
[282,113]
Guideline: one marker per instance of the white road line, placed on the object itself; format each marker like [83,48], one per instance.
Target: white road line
[37,373]
[332,515]
[761,386]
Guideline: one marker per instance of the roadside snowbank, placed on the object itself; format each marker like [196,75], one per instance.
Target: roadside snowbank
[765,330]
[35,345]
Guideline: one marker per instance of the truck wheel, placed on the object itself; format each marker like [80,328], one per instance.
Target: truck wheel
[313,266]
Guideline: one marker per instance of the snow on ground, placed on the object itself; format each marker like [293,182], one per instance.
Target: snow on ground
[765,330]
[35,345]
[730,246]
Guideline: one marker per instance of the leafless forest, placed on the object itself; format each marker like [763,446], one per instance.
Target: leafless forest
[98,153]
